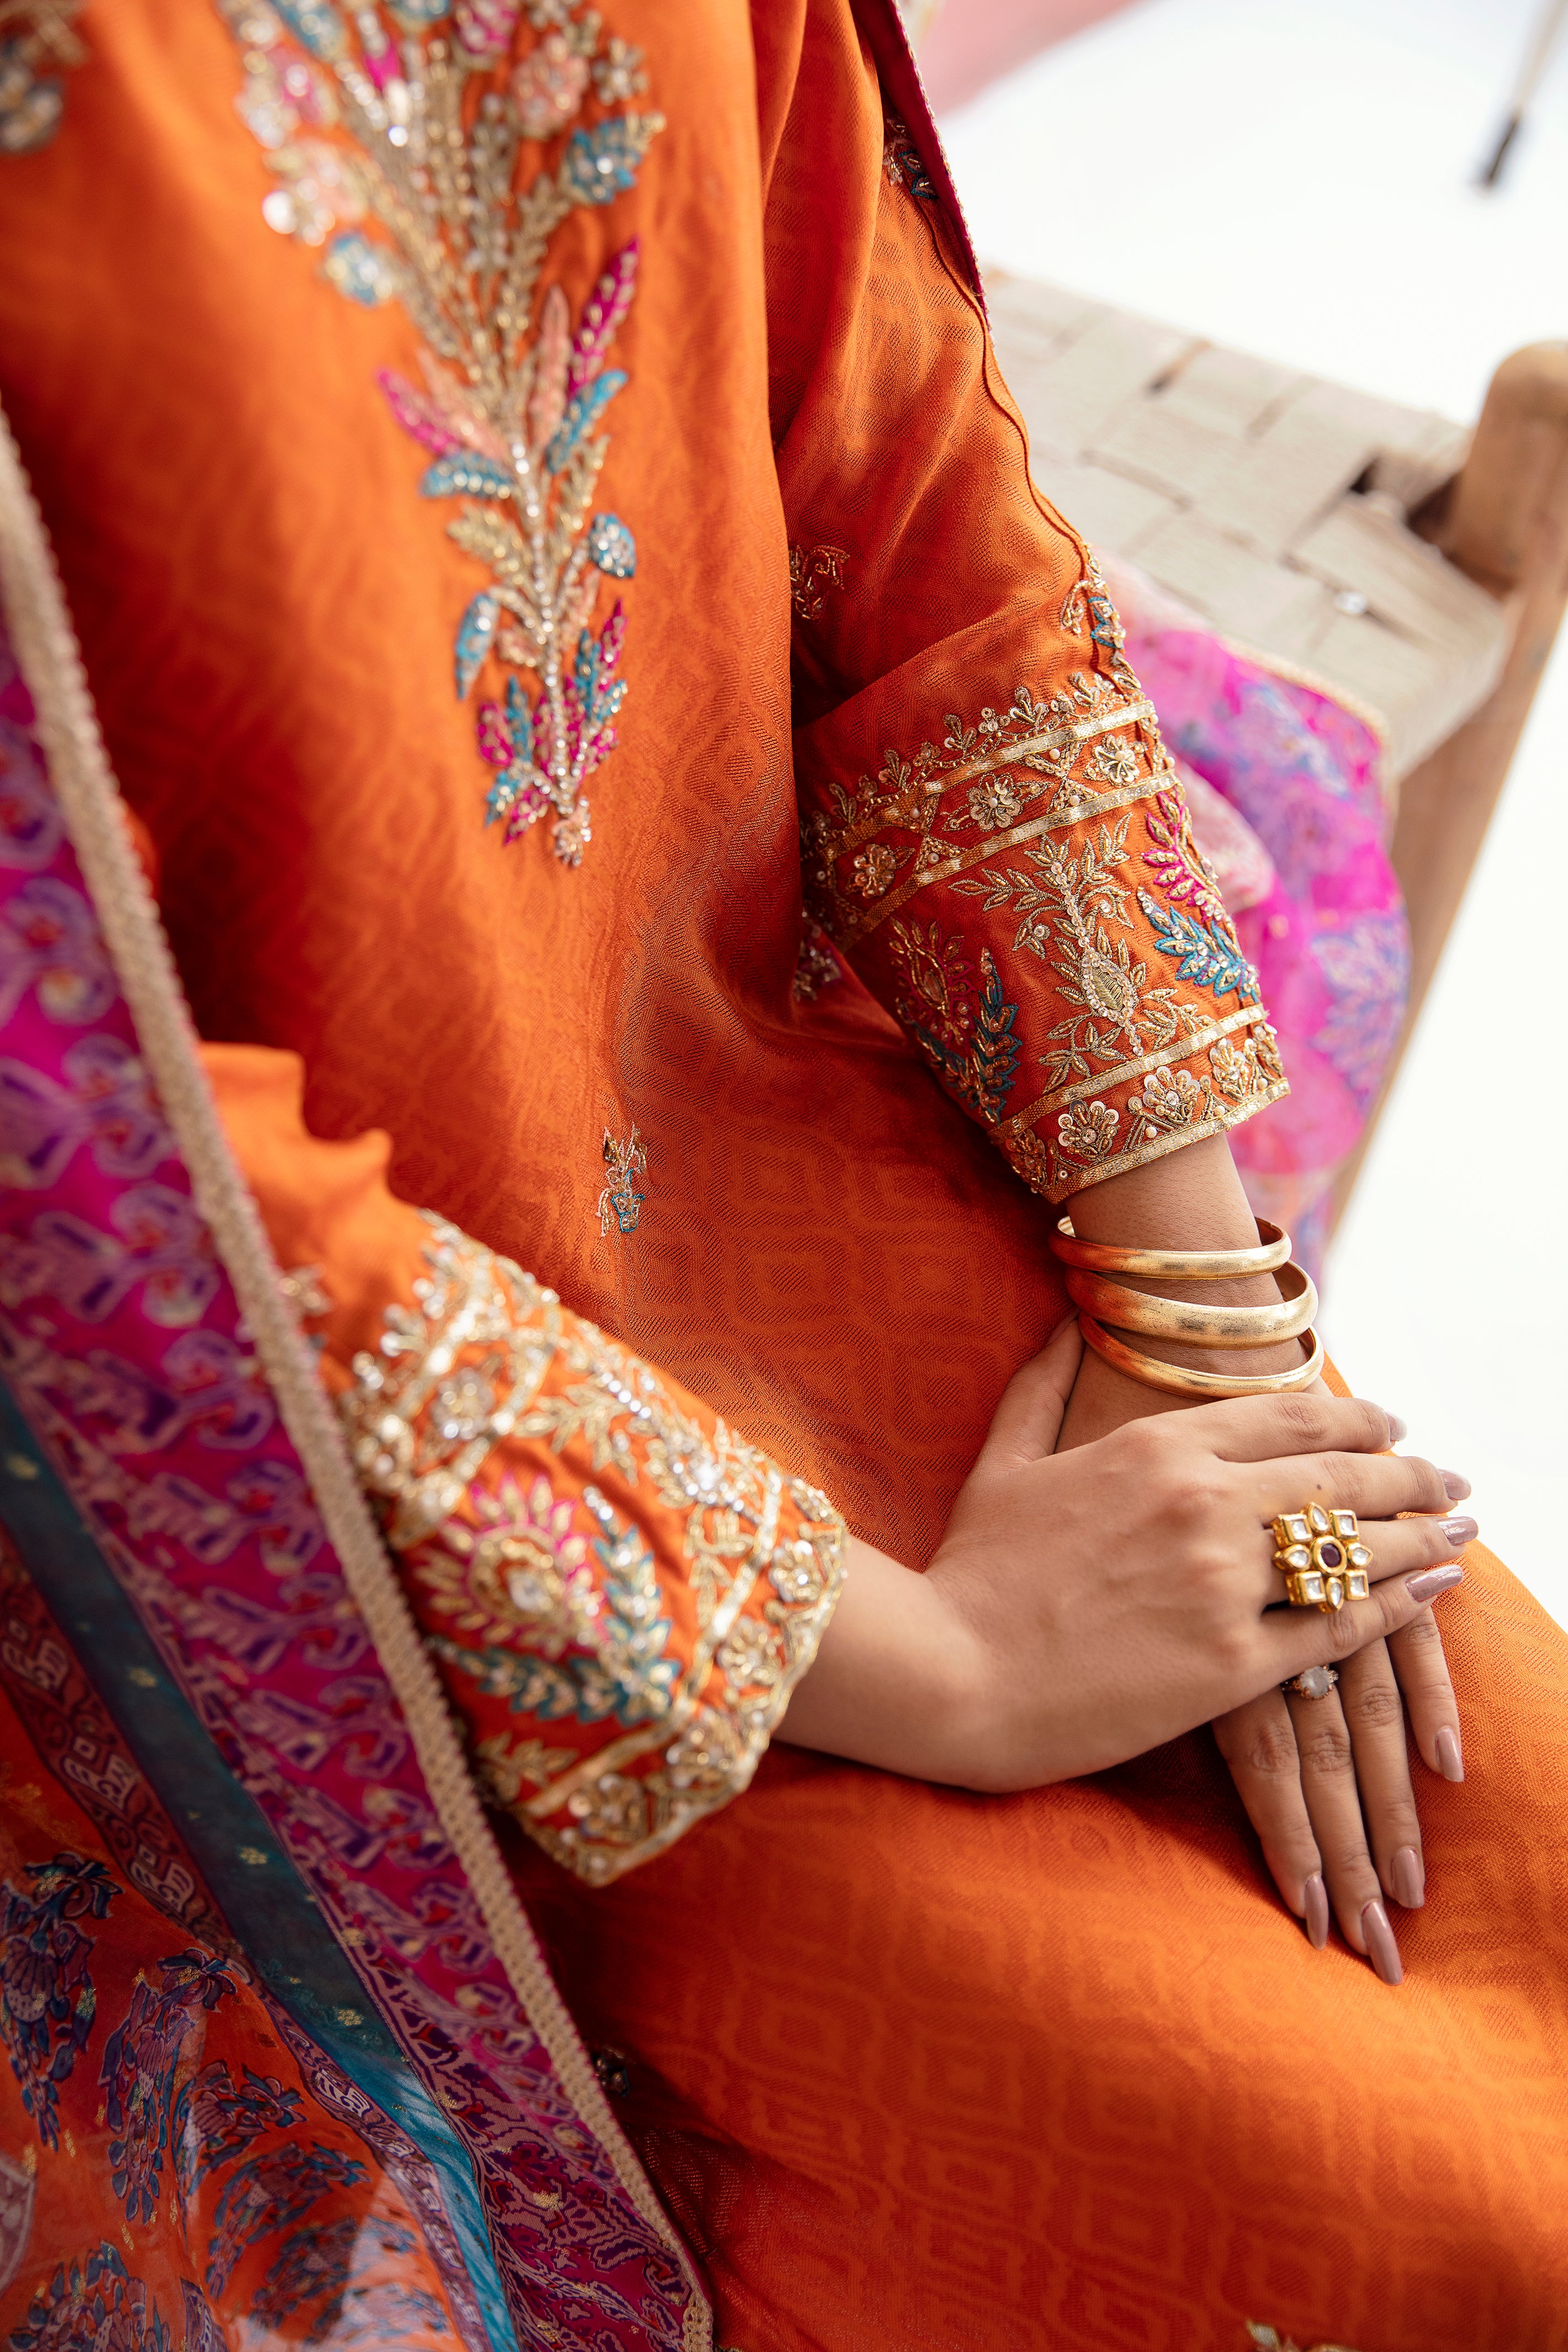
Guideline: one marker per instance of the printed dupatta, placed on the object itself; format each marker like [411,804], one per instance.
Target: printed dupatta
[146,1339]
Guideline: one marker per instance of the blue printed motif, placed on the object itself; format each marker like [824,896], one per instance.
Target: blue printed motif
[213,2122]
[46,1997]
[92,2305]
[267,2197]
[140,2060]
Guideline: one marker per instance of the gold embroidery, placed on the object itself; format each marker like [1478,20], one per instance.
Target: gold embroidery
[999,757]
[1136,969]
[34,33]
[553,1598]
[817,967]
[620,1199]
[812,569]
[512,394]
[1269,2340]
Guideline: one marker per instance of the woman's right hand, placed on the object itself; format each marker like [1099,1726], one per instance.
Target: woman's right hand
[1085,1607]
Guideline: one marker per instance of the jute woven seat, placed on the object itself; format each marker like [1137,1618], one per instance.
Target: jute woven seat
[1416,567]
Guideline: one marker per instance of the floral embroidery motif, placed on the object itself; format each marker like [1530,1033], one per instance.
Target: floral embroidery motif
[619,1669]
[810,570]
[966,1034]
[1131,965]
[816,966]
[514,391]
[902,163]
[623,1163]
[1088,1131]
[46,1998]
[31,104]
[544,1599]
[1009,760]
[1065,908]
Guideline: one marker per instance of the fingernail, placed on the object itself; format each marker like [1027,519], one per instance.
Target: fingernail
[1316,1903]
[1454,1487]
[1409,1875]
[1460,1532]
[1381,1948]
[1450,1762]
[1396,1429]
[1432,1581]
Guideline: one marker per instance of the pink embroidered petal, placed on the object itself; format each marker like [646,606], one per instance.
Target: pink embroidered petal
[457,413]
[548,88]
[484,28]
[416,414]
[494,738]
[547,404]
[612,637]
[602,314]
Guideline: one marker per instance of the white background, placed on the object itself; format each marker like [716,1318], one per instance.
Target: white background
[1296,178]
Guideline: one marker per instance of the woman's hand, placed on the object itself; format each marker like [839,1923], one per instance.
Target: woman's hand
[1327,1782]
[1084,1607]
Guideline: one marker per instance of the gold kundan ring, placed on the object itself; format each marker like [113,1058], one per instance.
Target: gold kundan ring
[1319,1553]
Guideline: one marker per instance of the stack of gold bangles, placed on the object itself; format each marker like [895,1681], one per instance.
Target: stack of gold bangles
[1100,1298]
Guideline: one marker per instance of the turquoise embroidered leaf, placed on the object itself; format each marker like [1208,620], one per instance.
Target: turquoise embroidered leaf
[582,414]
[476,634]
[484,478]
[1202,952]
[602,163]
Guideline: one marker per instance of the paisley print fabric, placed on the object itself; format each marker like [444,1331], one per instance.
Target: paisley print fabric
[174,2179]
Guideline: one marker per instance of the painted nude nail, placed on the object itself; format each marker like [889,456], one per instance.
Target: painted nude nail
[1317,1908]
[1432,1581]
[1454,1487]
[1450,1761]
[1396,1428]
[1409,1875]
[1381,1948]
[1460,1530]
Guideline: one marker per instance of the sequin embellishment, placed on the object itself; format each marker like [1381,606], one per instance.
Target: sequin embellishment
[400,157]
[33,35]
[623,1163]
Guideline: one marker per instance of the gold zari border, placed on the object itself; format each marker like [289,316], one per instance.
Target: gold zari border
[1082,812]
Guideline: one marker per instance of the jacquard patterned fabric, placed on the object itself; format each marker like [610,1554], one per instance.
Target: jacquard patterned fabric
[913,2068]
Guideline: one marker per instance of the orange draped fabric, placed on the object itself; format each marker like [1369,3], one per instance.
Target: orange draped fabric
[913,2069]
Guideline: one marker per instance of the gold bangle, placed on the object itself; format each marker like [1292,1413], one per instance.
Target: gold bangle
[1175,1379]
[1174,1266]
[1197,1326]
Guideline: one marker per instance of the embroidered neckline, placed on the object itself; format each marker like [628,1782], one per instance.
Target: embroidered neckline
[400,139]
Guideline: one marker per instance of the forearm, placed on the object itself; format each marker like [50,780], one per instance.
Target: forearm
[898,1680]
[1187,1199]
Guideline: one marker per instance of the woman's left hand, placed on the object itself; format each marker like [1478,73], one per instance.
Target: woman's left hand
[1326,1783]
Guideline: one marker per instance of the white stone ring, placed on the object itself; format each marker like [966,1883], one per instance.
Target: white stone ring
[1316,1682]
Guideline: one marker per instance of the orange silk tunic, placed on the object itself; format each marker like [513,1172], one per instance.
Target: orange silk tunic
[689,537]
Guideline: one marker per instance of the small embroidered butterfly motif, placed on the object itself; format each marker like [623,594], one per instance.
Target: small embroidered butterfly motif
[620,1199]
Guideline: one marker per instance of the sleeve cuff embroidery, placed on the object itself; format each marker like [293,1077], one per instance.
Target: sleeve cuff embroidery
[1029,898]
[586,1553]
